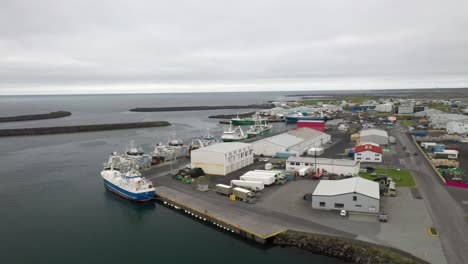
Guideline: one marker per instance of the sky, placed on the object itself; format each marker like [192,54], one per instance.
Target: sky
[95,46]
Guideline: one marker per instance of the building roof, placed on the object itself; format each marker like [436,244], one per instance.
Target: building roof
[368,147]
[351,185]
[293,137]
[224,147]
[373,131]
[305,133]
[334,162]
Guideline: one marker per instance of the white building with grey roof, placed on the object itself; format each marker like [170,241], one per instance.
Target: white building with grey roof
[296,142]
[354,194]
[222,158]
[333,166]
[377,136]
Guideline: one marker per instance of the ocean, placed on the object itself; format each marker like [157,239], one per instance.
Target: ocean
[55,209]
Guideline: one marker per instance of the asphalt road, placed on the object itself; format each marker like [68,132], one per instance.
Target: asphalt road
[446,213]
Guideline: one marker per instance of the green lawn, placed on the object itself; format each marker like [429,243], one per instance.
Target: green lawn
[409,122]
[402,178]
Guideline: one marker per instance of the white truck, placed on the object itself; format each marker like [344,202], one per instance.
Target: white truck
[254,186]
[265,178]
[244,195]
[223,189]
[304,171]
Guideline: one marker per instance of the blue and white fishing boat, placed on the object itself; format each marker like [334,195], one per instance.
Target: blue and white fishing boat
[299,116]
[130,185]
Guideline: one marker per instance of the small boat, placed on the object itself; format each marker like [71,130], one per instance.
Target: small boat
[258,129]
[236,134]
[130,184]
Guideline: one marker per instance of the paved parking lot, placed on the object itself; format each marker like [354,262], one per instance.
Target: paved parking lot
[406,229]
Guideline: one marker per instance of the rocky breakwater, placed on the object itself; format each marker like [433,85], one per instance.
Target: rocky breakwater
[198,108]
[345,249]
[78,129]
[58,114]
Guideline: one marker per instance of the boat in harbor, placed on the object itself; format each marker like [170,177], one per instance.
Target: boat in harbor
[130,184]
[299,116]
[231,134]
[236,121]
[259,129]
[202,142]
[172,150]
[133,154]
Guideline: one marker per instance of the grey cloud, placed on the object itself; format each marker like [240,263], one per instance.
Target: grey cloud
[98,45]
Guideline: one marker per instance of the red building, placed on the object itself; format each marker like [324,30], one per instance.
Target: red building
[312,124]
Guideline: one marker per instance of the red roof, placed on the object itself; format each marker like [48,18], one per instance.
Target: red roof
[367,147]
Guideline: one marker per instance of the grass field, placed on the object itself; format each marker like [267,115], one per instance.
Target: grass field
[402,178]
[409,122]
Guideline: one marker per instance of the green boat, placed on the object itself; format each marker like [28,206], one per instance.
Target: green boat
[259,129]
[236,121]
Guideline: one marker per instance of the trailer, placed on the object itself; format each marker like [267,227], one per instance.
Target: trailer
[223,189]
[267,180]
[279,175]
[244,195]
[304,171]
[254,186]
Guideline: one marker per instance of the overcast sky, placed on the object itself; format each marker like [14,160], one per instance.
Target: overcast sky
[116,46]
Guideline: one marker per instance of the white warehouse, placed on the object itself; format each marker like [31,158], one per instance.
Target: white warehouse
[455,127]
[377,136]
[333,166]
[354,194]
[296,142]
[222,158]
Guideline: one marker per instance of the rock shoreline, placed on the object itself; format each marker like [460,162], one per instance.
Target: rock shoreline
[345,249]
[52,115]
[78,129]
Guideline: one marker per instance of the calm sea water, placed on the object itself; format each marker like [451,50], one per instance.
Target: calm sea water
[55,209]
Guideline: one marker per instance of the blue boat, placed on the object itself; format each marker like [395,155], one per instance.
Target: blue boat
[130,185]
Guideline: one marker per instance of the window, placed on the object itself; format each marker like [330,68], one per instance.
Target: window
[377,155]
[358,158]
[367,158]
[354,198]
[322,204]
[359,154]
[377,158]
[339,205]
[358,205]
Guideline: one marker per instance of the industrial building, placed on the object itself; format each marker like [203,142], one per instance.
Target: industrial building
[291,143]
[222,158]
[455,127]
[377,136]
[404,109]
[368,153]
[384,108]
[440,121]
[333,166]
[354,194]
[312,124]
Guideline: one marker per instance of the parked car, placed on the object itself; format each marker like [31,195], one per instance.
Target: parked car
[343,213]
[383,217]
[415,154]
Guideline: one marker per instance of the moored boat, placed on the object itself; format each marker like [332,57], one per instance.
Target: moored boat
[231,134]
[174,149]
[130,185]
[259,129]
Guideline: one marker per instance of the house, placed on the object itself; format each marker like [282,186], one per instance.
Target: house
[354,194]
[368,153]
[333,166]
[295,142]
[222,158]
